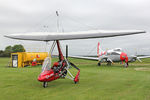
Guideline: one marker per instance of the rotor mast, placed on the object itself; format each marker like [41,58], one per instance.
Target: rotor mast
[61,57]
[57,14]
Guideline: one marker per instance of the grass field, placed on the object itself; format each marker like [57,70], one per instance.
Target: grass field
[96,83]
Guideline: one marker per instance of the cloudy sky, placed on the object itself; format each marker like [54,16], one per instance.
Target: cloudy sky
[77,15]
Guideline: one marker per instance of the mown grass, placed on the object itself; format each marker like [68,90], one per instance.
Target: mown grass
[96,83]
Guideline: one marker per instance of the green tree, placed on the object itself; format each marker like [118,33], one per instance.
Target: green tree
[7,52]
[1,53]
[18,48]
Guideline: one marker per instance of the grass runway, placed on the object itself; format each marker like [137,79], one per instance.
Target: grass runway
[96,83]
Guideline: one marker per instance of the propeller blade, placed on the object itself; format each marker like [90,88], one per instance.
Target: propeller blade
[139,59]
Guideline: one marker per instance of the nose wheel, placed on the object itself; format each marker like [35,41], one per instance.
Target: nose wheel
[126,65]
[45,84]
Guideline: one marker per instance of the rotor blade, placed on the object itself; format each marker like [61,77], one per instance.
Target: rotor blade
[87,58]
[51,36]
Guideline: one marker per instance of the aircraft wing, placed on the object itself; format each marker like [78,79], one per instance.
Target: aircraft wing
[83,57]
[50,36]
[93,58]
[134,58]
[140,57]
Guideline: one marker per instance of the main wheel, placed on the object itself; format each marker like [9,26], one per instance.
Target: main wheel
[45,84]
[99,64]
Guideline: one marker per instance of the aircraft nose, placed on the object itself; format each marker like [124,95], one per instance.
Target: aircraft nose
[40,78]
[123,56]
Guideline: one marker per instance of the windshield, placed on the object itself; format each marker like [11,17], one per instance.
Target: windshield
[117,49]
[46,64]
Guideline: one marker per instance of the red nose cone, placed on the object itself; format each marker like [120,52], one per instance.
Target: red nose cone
[41,78]
[123,56]
[47,76]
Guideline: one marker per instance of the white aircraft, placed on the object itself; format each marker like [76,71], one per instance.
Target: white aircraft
[61,68]
[111,56]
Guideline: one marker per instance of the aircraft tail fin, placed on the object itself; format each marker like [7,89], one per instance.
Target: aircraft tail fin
[100,52]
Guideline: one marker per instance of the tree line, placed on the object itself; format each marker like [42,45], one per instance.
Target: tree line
[11,49]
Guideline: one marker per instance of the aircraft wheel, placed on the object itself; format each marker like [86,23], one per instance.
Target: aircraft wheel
[45,84]
[126,65]
[99,64]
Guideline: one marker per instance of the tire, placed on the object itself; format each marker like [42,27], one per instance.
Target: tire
[45,84]
[126,65]
[99,64]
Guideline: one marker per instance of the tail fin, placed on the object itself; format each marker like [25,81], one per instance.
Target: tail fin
[100,52]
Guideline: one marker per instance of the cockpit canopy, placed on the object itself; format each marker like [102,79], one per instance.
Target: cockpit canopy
[117,49]
[46,64]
